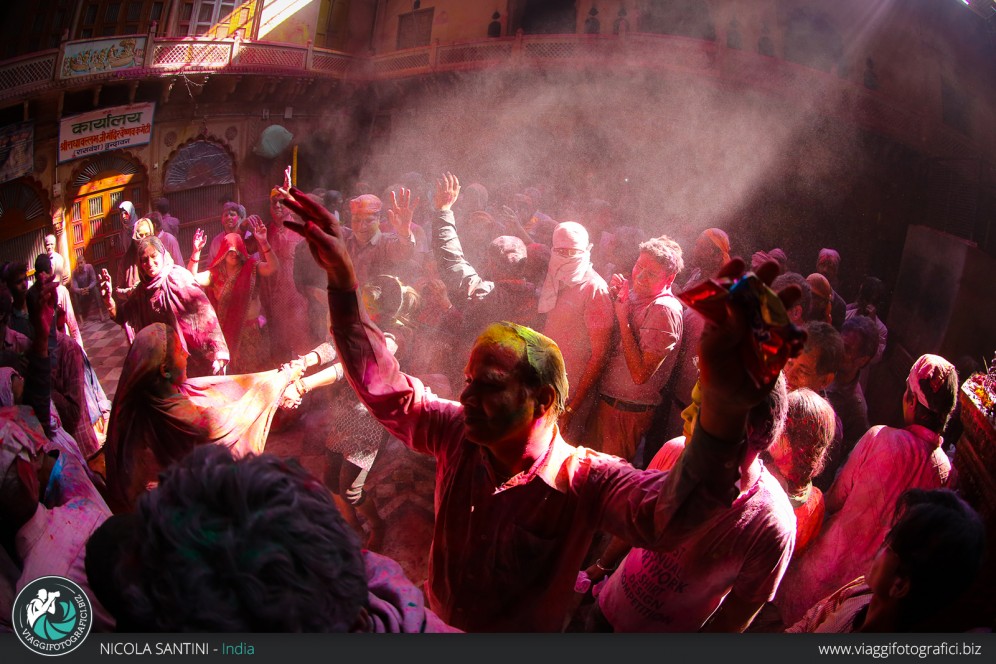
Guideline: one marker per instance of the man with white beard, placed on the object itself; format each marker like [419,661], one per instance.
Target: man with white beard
[579,318]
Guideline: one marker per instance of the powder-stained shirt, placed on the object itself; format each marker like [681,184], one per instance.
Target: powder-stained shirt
[505,556]
[582,310]
[745,551]
[657,327]
[860,506]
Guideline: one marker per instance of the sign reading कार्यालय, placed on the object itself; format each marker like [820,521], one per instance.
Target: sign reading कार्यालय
[90,133]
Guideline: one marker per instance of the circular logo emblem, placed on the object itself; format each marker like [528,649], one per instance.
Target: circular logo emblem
[52,615]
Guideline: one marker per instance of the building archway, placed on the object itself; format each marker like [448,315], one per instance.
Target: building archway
[93,221]
[198,177]
[25,219]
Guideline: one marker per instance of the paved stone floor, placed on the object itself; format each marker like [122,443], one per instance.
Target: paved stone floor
[400,482]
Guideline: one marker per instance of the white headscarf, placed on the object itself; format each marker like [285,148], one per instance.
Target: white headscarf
[564,269]
[929,367]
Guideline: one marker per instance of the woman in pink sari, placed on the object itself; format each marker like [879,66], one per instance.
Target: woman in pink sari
[159,415]
[167,293]
[232,286]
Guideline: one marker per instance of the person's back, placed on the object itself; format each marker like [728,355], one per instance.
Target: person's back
[885,462]
[930,556]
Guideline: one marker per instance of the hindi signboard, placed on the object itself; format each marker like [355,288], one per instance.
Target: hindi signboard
[84,58]
[17,150]
[87,134]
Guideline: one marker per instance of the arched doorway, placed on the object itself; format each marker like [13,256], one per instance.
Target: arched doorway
[24,220]
[197,179]
[92,220]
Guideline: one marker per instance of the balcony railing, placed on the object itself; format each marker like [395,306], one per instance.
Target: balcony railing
[795,83]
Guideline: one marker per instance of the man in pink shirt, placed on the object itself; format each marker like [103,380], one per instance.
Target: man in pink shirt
[516,505]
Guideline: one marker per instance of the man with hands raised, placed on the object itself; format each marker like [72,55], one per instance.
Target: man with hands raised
[516,505]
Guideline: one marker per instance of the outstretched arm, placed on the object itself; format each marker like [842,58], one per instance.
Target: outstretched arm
[461,279]
[400,402]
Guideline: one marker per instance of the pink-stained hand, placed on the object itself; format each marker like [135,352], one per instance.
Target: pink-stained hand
[447,191]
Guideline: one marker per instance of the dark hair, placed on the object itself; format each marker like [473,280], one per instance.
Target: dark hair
[865,328]
[870,292]
[824,338]
[161,205]
[939,540]
[241,545]
[665,251]
[12,270]
[795,279]
[809,427]
[157,221]
[43,263]
[541,361]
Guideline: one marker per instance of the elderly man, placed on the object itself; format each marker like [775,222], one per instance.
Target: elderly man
[84,290]
[650,323]
[59,267]
[372,251]
[516,505]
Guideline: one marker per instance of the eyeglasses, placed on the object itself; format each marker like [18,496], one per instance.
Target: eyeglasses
[566,252]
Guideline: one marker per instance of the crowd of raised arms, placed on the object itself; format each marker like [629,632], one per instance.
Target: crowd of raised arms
[605,457]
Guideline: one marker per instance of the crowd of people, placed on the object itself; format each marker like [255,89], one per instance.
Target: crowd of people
[605,457]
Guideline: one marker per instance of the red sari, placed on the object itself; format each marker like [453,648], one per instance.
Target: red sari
[236,300]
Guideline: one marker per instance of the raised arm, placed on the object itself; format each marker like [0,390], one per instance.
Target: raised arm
[642,362]
[461,279]
[107,293]
[400,402]
[268,263]
[194,264]
[650,508]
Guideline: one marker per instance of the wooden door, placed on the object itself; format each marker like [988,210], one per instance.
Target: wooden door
[95,222]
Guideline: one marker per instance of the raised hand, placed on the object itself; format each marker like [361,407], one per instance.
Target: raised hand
[619,291]
[258,228]
[447,191]
[401,211]
[287,178]
[324,235]
[106,288]
[200,240]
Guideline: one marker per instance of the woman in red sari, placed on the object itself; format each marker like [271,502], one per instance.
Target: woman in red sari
[167,293]
[159,415]
[232,286]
